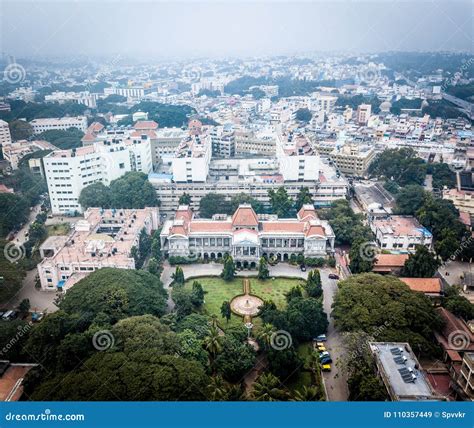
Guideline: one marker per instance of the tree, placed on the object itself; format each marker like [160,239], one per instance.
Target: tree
[20,130]
[185,199]
[183,300]
[400,165]
[263,272]
[213,203]
[293,293]
[313,285]
[245,198]
[442,175]
[95,195]
[385,304]
[197,295]
[306,318]
[64,139]
[191,347]
[220,390]
[235,359]
[141,376]
[268,388]
[303,115]
[226,312]
[422,264]
[132,190]
[118,293]
[282,205]
[213,343]
[410,199]
[284,363]
[24,305]
[307,393]
[304,197]
[178,276]
[13,212]
[228,272]
[153,266]
[457,304]
[362,257]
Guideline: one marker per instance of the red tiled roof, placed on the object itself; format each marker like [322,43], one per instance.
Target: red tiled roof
[148,132]
[391,260]
[425,285]
[245,216]
[455,334]
[305,212]
[315,230]
[210,226]
[283,226]
[145,124]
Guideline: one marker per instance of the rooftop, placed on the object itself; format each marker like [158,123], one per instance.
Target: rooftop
[401,372]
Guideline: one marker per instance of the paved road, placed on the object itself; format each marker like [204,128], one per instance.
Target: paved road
[20,237]
[335,380]
[39,300]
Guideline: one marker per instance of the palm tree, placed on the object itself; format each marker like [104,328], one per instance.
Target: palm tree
[307,393]
[268,388]
[213,343]
[218,389]
[265,335]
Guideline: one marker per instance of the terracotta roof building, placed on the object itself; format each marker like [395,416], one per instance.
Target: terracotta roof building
[389,263]
[430,286]
[247,236]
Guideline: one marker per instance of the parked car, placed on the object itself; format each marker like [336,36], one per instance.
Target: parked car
[321,348]
[333,276]
[321,338]
[303,268]
[326,360]
[323,354]
[9,315]
[326,367]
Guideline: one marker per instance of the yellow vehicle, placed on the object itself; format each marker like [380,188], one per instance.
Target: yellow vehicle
[326,367]
[321,348]
[319,344]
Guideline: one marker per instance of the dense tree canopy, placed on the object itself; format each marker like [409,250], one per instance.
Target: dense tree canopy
[132,190]
[63,139]
[368,301]
[117,293]
[421,264]
[400,165]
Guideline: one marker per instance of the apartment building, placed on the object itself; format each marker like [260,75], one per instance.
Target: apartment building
[69,171]
[84,97]
[363,114]
[255,142]
[353,160]
[247,236]
[400,233]
[104,238]
[60,123]
[223,141]
[5,137]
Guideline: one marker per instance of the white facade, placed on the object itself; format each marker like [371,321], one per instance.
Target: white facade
[5,137]
[69,171]
[61,123]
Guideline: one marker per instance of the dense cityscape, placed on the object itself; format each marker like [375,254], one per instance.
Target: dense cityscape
[237,228]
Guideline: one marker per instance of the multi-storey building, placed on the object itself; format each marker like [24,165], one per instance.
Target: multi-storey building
[247,236]
[223,141]
[363,113]
[60,123]
[250,142]
[353,159]
[400,233]
[69,171]
[104,238]
[5,137]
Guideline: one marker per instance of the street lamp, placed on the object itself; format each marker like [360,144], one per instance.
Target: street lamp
[249,326]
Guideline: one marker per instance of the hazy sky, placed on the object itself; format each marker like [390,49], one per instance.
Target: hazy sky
[216,28]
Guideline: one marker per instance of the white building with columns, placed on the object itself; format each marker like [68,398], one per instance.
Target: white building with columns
[247,236]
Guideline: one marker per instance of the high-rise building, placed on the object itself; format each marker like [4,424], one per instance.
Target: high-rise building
[363,114]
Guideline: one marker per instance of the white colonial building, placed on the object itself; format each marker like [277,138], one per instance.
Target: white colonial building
[247,236]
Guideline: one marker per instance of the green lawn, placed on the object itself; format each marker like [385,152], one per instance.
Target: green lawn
[219,290]
[58,229]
